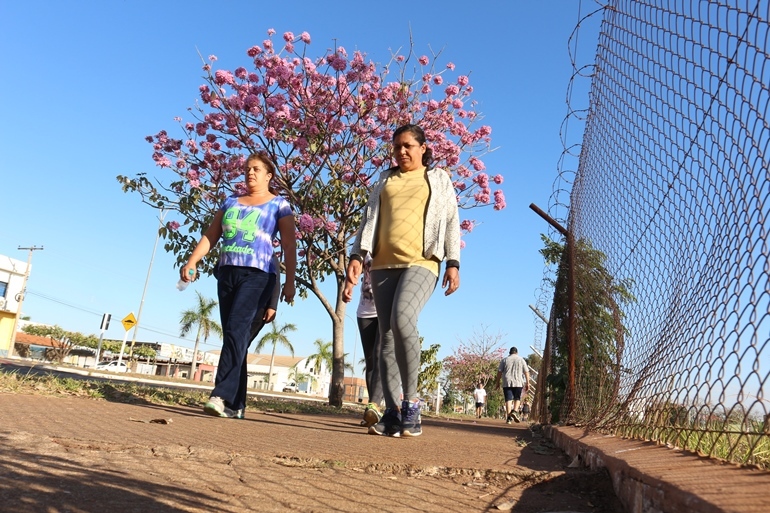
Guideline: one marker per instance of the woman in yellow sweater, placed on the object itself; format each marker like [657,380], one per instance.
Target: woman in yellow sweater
[410,225]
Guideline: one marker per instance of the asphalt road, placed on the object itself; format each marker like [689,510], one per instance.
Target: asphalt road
[36,368]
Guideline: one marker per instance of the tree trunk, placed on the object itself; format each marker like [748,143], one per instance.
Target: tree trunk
[270,372]
[336,313]
[195,354]
[337,387]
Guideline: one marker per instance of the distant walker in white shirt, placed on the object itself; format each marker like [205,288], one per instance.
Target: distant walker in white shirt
[480,396]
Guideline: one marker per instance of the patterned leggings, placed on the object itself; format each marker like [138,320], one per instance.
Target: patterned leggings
[400,295]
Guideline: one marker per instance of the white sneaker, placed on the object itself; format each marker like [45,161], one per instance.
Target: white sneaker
[215,406]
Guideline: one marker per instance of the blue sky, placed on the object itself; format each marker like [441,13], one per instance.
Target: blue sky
[85,82]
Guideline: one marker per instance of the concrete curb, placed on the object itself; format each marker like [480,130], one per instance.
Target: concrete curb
[650,478]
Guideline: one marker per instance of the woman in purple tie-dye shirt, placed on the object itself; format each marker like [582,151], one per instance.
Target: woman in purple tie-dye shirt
[247,225]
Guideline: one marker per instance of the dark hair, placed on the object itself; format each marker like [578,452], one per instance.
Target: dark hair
[514,350]
[419,136]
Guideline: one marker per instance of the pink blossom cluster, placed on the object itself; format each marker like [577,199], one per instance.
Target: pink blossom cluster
[306,223]
[499,200]
[482,179]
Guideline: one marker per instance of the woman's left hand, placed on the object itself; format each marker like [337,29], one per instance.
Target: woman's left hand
[287,294]
[451,280]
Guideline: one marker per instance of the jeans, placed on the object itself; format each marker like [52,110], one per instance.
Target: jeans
[242,291]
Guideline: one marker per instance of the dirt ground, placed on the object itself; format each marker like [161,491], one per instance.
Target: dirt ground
[65,454]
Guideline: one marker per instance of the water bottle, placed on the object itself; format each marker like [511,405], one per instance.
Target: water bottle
[181,284]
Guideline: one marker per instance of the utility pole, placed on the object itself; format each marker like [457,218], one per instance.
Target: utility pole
[21,296]
[146,282]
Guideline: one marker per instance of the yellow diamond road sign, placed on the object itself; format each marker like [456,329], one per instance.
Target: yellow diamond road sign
[129,321]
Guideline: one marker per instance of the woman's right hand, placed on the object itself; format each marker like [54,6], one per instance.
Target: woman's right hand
[188,272]
[351,279]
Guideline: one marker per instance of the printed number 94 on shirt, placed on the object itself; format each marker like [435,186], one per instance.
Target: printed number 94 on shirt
[232,225]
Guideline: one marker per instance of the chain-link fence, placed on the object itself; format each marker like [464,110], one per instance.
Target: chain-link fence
[661,288]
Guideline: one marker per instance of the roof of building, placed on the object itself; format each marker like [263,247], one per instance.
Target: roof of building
[280,361]
[264,359]
[33,340]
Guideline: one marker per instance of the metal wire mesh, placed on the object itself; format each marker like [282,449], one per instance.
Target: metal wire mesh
[669,211]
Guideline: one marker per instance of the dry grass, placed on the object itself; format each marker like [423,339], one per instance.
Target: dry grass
[130,392]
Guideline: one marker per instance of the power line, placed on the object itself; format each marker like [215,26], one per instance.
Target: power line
[99,314]
[62,302]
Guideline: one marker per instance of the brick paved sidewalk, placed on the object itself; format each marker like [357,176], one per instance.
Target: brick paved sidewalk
[63,454]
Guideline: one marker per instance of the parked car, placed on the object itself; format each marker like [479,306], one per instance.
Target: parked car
[112,366]
[291,387]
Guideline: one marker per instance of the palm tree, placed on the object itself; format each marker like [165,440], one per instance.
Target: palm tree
[200,316]
[298,377]
[324,357]
[276,336]
[348,365]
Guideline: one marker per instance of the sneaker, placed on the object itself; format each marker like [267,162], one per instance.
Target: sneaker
[515,417]
[389,424]
[410,419]
[372,415]
[234,414]
[215,406]
[508,419]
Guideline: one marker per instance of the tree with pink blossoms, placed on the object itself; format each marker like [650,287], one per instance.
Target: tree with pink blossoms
[475,360]
[327,122]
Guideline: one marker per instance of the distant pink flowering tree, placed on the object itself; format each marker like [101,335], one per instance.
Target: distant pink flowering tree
[474,361]
[328,123]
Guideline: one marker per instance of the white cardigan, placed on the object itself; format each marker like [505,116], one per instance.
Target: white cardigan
[442,220]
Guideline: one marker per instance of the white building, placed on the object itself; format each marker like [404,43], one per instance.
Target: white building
[12,273]
[285,369]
